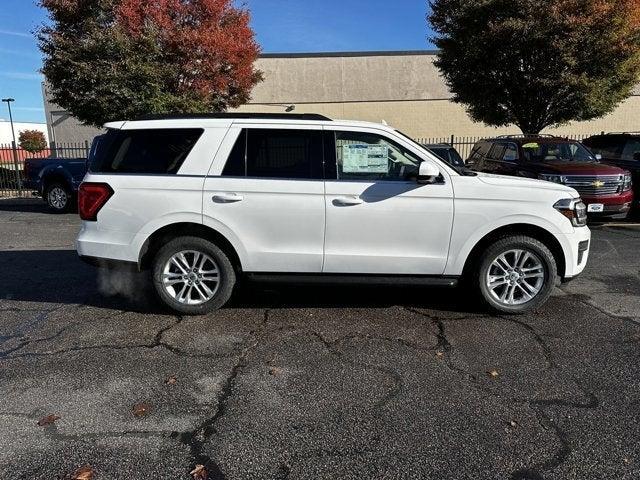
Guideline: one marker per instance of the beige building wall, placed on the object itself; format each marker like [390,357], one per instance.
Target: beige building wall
[402,88]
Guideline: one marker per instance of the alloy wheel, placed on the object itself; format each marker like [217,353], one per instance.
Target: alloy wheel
[191,277]
[515,277]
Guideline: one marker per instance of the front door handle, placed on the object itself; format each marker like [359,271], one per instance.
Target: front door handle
[227,198]
[348,201]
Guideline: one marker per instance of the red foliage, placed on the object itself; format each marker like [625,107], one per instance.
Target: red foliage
[210,40]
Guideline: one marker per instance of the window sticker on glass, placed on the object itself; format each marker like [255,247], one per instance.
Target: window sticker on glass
[365,158]
[531,145]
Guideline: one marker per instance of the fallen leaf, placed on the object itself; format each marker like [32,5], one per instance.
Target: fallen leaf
[83,473]
[494,373]
[141,409]
[439,353]
[48,420]
[171,380]
[275,371]
[627,461]
[199,473]
[513,424]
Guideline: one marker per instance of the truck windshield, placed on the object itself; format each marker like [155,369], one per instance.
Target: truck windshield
[557,152]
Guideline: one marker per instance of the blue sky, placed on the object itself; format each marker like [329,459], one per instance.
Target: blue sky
[280,25]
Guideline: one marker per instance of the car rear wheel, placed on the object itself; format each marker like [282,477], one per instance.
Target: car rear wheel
[516,274]
[58,197]
[192,276]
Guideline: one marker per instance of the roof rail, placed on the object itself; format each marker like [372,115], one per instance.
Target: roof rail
[240,115]
[527,135]
[623,133]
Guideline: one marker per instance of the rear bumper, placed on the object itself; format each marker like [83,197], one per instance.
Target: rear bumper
[93,242]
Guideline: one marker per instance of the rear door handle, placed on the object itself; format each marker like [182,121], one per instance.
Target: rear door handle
[348,201]
[227,198]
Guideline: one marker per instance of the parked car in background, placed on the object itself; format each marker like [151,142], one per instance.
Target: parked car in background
[621,150]
[446,152]
[56,180]
[606,189]
[200,201]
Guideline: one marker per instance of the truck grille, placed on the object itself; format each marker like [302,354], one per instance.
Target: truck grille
[595,185]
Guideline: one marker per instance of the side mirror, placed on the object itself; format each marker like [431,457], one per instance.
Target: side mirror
[598,156]
[428,172]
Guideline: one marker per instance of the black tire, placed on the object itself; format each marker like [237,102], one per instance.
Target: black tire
[221,293]
[58,197]
[539,254]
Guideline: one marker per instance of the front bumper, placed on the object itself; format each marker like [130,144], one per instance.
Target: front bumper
[576,247]
[619,204]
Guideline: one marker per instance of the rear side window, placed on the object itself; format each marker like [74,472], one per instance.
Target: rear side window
[152,151]
[276,153]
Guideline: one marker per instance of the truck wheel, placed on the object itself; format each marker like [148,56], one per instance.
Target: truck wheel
[58,197]
[516,274]
[192,276]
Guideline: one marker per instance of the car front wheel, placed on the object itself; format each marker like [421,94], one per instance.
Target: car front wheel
[192,276]
[516,274]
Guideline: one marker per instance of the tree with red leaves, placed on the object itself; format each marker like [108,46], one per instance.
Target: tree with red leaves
[108,60]
[537,63]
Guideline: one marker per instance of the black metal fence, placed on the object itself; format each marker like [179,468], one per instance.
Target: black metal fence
[12,158]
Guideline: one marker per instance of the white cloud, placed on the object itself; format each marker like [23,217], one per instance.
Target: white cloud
[15,34]
[23,76]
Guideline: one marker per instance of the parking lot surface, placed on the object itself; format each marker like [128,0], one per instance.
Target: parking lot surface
[314,382]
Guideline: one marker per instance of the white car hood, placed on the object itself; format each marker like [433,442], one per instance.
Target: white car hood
[507,181]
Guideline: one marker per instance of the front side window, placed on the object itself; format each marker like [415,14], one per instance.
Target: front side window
[497,152]
[510,153]
[276,153]
[150,151]
[371,157]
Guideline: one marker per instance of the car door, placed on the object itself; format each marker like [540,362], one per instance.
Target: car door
[380,220]
[266,190]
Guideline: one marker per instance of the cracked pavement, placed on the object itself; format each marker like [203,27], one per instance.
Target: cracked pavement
[311,382]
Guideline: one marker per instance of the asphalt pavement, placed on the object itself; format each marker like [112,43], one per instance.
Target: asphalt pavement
[310,382]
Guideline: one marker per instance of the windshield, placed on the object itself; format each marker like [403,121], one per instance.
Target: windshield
[556,152]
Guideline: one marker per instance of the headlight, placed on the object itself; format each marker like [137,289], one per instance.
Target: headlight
[626,186]
[574,209]
[551,178]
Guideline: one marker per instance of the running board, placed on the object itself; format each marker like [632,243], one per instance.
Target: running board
[347,279]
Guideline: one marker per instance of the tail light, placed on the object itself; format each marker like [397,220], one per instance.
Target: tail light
[91,198]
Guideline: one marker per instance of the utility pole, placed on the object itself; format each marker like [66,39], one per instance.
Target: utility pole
[8,101]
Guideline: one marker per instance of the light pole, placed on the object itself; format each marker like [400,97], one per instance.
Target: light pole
[8,101]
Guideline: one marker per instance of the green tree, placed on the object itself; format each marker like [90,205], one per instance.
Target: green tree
[32,141]
[537,63]
[108,60]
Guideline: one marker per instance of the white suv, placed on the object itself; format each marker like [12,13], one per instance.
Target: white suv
[200,200]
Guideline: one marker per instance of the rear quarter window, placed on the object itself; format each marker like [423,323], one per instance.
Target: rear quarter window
[151,151]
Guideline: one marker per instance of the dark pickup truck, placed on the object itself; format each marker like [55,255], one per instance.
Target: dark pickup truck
[56,180]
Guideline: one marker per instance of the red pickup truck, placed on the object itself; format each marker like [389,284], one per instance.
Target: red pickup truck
[606,189]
